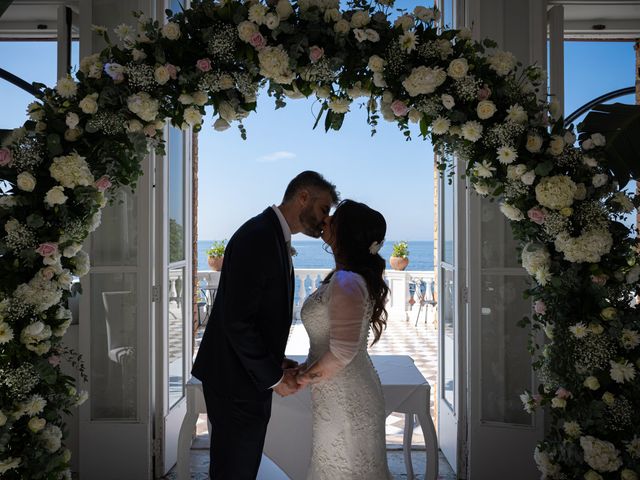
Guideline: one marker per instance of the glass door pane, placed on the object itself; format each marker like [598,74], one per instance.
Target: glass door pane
[175,334]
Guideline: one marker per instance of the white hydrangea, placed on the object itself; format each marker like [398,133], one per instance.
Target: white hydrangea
[600,455]
[39,292]
[6,333]
[423,80]
[71,170]
[590,246]
[556,192]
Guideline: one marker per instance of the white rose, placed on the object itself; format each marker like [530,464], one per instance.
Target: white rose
[89,104]
[133,126]
[26,182]
[200,98]
[447,101]
[600,179]
[185,99]
[161,75]
[512,213]
[424,14]
[378,80]
[272,21]
[55,196]
[528,178]
[598,139]
[192,116]
[221,125]
[332,15]
[534,143]
[323,91]
[458,68]
[171,31]
[590,161]
[404,21]
[138,55]
[71,250]
[423,80]
[415,115]
[284,9]
[342,27]
[246,30]
[485,109]
[359,34]
[591,383]
[72,120]
[360,18]
[227,112]
[556,145]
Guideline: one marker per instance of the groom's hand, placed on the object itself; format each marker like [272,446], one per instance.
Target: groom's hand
[288,385]
[287,363]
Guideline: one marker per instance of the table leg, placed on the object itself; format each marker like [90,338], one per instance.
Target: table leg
[184,445]
[431,445]
[406,444]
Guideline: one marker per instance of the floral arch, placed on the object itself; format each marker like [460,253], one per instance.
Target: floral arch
[87,136]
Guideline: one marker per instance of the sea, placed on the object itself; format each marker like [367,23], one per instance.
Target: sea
[311,254]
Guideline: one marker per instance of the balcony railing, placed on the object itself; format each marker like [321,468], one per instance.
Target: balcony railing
[412,293]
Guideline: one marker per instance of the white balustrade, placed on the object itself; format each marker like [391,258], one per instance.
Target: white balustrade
[412,292]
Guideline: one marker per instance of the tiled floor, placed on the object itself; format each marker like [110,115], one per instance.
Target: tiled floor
[400,338]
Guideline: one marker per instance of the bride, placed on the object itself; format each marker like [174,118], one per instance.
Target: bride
[348,406]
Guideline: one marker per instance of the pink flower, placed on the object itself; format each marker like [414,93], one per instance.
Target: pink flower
[563,393]
[47,249]
[54,360]
[204,64]
[539,307]
[600,279]
[257,41]
[484,93]
[399,108]
[315,53]
[5,157]
[173,71]
[103,183]
[537,398]
[150,130]
[536,215]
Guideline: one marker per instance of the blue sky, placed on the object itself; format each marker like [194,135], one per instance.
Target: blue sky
[238,178]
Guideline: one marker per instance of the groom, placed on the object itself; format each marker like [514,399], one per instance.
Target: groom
[241,357]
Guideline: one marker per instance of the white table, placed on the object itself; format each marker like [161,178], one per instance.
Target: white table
[288,442]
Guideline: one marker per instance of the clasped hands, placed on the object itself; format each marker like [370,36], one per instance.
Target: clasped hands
[295,378]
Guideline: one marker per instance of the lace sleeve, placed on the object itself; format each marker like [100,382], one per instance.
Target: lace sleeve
[347,301]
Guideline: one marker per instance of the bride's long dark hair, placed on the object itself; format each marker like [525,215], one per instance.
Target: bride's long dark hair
[358,230]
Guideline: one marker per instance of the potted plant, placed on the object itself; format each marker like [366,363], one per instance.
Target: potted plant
[215,255]
[400,255]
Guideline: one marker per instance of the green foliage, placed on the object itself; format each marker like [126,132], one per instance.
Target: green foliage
[400,249]
[217,249]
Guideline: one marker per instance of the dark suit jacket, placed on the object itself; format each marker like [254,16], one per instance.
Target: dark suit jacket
[243,344]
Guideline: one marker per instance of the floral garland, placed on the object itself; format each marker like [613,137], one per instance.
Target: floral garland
[86,138]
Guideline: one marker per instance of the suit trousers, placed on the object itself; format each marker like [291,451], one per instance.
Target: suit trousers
[238,430]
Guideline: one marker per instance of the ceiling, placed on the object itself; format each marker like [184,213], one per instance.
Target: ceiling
[35,18]
[600,19]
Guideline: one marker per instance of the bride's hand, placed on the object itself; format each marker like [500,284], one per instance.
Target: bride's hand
[308,378]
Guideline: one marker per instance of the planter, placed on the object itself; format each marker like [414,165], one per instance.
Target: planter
[215,263]
[398,263]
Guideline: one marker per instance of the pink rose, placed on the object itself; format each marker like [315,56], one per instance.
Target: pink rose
[484,93]
[47,249]
[5,157]
[399,108]
[536,215]
[539,307]
[173,71]
[103,183]
[315,53]
[600,279]
[204,64]
[563,393]
[257,41]
[54,360]
[150,130]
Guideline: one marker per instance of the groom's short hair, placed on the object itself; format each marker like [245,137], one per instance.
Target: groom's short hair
[310,179]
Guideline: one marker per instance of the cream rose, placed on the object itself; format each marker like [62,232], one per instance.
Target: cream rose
[485,109]
[458,68]
[89,104]
[171,31]
[26,182]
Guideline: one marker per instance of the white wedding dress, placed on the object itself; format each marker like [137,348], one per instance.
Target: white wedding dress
[348,407]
